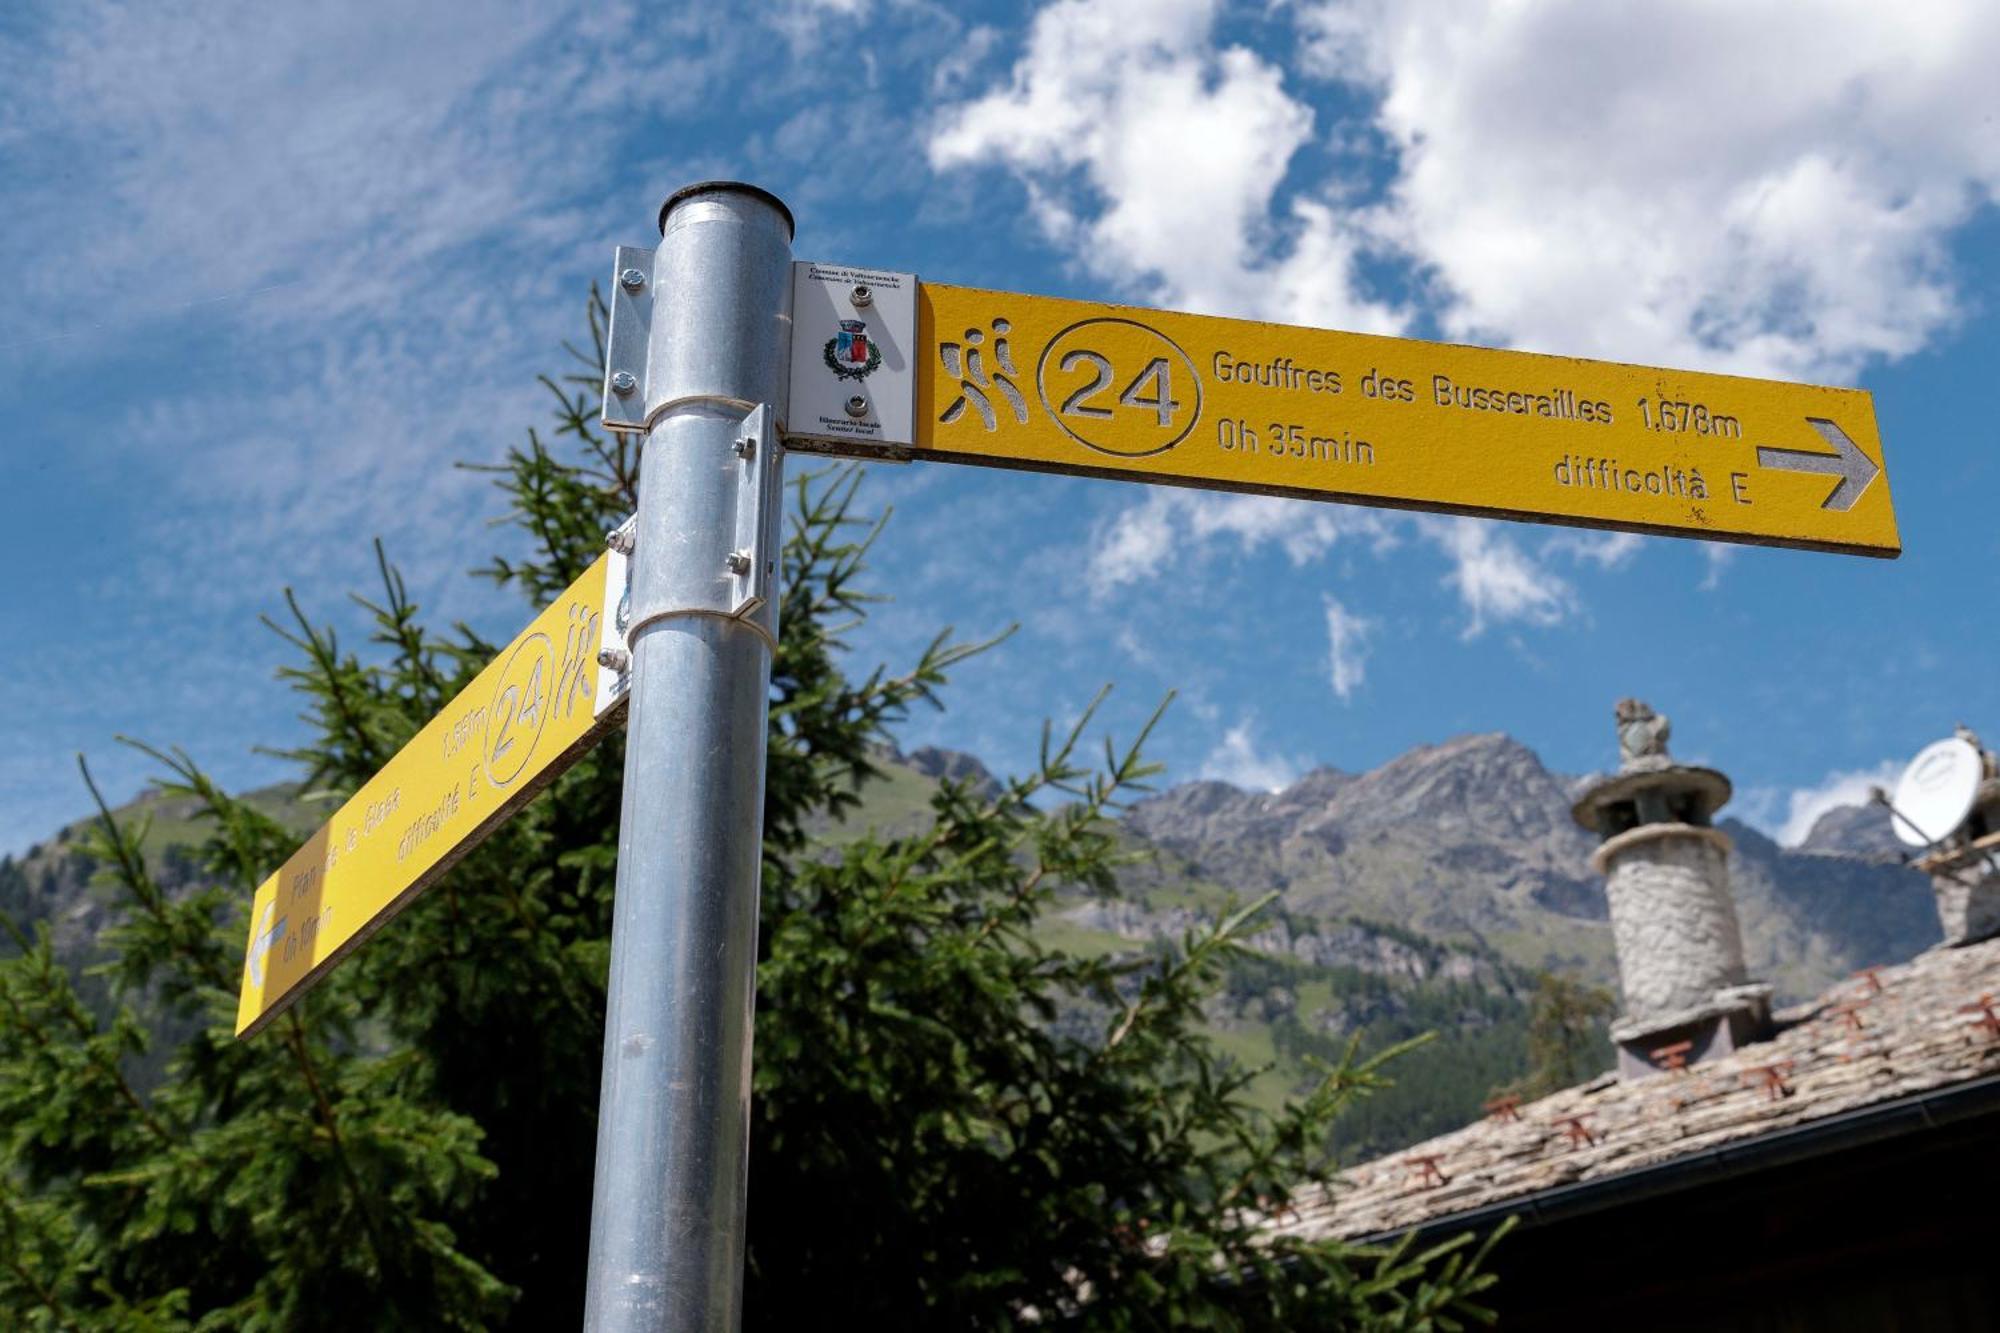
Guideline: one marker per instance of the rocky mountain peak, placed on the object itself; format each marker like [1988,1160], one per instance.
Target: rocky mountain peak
[1855,830]
[952,766]
[1313,792]
[1482,784]
[1206,811]
[1471,840]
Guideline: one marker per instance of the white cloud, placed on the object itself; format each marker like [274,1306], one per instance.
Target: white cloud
[332,246]
[956,67]
[1648,183]
[804,24]
[1238,761]
[323,149]
[1764,186]
[1790,816]
[1496,581]
[1347,648]
[1168,526]
[1606,550]
[1179,146]
[1717,558]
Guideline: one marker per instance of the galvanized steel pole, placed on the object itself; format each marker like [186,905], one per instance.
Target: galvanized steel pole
[667,1217]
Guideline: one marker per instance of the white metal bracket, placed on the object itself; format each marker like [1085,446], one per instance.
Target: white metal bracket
[614,658]
[760,508]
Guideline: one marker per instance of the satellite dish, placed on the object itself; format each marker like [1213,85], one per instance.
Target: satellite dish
[1936,792]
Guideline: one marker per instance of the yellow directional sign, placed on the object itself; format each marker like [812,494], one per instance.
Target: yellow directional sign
[523,720]
[1068,386]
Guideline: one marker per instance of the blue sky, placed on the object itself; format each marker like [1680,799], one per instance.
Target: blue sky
[271,269]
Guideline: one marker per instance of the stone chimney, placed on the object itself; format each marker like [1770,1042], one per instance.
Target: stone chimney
[1680,950]
[1965,866]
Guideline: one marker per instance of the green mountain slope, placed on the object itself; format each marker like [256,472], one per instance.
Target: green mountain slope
[1419,897]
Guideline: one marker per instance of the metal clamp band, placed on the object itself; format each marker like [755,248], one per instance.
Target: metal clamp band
[738,406]
[750,623]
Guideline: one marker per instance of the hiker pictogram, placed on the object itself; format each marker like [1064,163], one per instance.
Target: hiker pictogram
[964,364]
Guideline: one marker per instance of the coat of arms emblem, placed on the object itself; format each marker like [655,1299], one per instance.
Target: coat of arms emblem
[851,354]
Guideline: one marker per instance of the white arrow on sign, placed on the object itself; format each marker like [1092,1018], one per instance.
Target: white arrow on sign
[1854,468]
[262,939]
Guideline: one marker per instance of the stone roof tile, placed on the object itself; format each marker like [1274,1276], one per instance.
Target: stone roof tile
[1925,1029]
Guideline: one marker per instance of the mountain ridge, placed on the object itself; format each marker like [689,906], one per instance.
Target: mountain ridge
[1467,841]
[1419,896]
[1470,841]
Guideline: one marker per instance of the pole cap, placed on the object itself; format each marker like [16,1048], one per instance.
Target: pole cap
[713,187]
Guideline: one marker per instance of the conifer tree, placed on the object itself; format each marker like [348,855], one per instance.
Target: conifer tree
[1566,1041]
[957,1125]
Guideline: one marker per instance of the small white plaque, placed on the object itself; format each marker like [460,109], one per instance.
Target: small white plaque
[854,348]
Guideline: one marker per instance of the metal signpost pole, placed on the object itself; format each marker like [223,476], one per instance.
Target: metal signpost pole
[667,1215]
